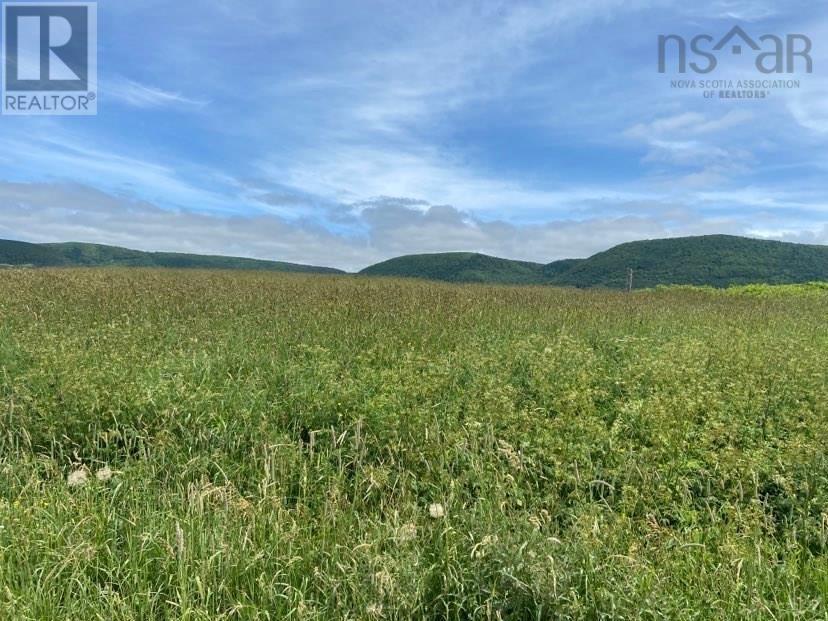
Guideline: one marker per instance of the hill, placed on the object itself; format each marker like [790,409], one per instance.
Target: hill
[467,267]
[713,260]
[75,254]
[557,268]
[22,253]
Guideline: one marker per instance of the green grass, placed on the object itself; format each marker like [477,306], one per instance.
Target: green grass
[277,440]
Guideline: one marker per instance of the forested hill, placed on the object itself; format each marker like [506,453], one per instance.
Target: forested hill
[74,254]
[715,260]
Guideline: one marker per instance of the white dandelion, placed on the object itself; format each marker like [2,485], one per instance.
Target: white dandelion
[104,474]
[77,478]
[436,511]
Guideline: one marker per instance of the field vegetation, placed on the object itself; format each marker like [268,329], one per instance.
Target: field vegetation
[247,445]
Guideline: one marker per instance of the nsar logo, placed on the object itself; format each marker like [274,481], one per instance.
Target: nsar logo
[50,58]
[773,54]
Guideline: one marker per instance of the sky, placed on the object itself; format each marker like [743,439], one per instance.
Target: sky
[342,133]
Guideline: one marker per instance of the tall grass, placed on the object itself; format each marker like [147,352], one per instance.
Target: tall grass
[279,445]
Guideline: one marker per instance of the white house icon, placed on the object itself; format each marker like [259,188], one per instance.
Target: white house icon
[737,49]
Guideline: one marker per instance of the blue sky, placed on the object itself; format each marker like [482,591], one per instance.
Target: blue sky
[343,133]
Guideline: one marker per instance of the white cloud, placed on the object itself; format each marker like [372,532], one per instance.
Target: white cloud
[143,96]
[61,155]
[743,10]
[60,212]
[389,227]
[688,124]
[698,143]
[353,173]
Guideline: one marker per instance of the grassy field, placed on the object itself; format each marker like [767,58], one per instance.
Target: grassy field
[205,445]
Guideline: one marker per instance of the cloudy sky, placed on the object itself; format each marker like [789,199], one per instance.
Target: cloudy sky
[346,132]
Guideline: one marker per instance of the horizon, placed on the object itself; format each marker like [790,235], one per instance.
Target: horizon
[345,136]
[446,252]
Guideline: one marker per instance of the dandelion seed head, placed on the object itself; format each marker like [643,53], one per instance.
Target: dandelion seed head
[77,478]
[104,474]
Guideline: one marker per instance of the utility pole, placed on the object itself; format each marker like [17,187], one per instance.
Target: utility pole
[629,279]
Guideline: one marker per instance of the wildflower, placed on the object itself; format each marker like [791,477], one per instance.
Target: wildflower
[436,511]
[104,474]
[77,478]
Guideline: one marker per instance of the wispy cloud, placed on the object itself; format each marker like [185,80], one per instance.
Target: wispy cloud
[65,157]
[689,124]
[355,173]
[140,95]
